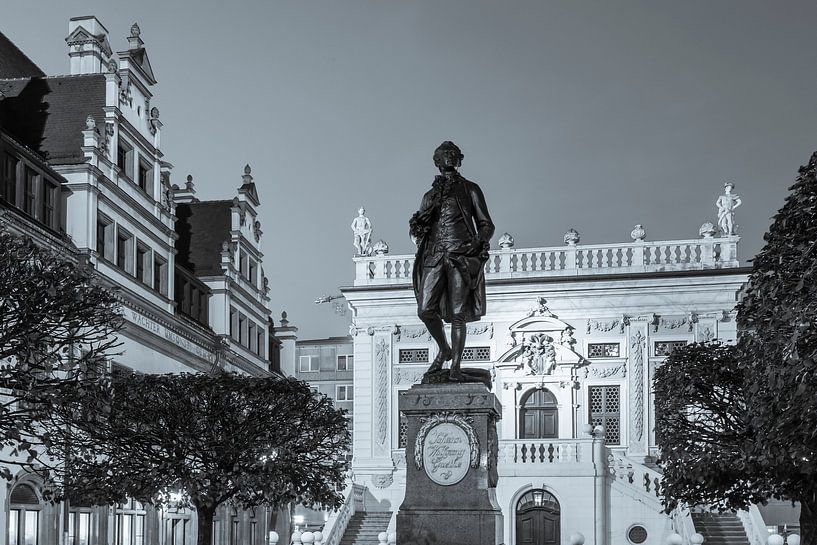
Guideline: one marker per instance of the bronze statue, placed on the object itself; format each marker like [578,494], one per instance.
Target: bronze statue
[453,231]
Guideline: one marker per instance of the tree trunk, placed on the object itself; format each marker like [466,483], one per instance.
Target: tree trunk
[204,521]
[808,520]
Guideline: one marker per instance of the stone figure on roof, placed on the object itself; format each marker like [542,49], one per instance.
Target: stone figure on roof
[727,203]
[362,228]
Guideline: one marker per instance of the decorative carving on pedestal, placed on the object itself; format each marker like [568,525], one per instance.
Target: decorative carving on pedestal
[638,233]
[637,397]
[398,458]
[506,241]
[540,308]
[382,356]
[572,237]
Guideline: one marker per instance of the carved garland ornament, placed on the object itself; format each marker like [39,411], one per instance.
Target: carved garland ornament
[382,358]
[466,423]
[637,345]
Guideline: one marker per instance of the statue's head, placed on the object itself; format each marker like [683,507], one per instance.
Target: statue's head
[448,156]
[728,187]
[361,211]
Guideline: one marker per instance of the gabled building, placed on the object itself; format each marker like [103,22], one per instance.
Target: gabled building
[82,170]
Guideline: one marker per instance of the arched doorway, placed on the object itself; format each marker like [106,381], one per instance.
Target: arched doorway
[538,415]
[538,519]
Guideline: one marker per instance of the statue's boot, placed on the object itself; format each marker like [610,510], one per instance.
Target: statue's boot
[455,375]
[442,357]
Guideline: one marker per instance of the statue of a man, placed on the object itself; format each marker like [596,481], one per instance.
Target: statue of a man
[362,228]
[727,204]
[453,231]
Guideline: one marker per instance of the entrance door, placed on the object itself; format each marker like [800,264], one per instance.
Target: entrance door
[537,519]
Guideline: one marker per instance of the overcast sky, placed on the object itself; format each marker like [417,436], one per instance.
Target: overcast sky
[592,115]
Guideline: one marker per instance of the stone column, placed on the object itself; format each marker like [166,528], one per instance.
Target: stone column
[451,472]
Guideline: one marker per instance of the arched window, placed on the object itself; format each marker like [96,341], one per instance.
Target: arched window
[24,515]
[538,415]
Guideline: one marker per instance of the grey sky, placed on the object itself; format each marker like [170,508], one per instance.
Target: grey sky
[592,115]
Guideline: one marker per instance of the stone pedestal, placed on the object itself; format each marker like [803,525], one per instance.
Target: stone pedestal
[451,456]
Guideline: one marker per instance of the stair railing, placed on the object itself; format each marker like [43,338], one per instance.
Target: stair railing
[754,525]
[683,524]
[336,524]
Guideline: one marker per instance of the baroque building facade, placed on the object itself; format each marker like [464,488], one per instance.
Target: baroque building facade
[82,171]
[572,337]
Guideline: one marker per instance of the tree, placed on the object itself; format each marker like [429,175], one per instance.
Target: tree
[227,438]
[769,435]
[57,326]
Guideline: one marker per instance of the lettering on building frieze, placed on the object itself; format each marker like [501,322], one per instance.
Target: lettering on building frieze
[157,329]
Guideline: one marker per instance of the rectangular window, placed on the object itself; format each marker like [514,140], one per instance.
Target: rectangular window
[605,410]
[234,533]
[159,274]
[9,180]
[309,364]
[603,350]
[242,264]
[49,205]
[346,362]
[260,345]
[233,324]
[242,329]
[413,355]
[476,353]
[124,158]
[124,251]
[665,348]
[251,272]
[251,337]
[104,238]
[142,263]
[145,177]
[30,192]
[344,392]
[203,303]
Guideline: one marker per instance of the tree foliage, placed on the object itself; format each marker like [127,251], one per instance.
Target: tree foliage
[772,370]
[225,438]
[57,326]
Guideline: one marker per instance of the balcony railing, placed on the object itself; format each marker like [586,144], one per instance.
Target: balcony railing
[571,260]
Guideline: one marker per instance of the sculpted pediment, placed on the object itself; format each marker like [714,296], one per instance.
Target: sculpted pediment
[540,342]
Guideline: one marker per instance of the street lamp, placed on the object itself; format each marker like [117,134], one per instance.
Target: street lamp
[340,308]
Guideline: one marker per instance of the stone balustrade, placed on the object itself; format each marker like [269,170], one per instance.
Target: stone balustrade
[634,475]
[539,452]
[571,260]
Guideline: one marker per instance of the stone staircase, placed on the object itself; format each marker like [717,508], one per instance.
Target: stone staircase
[720,528]
[363,527]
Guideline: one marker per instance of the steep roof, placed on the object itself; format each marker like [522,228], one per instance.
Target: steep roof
[48,114]
[14,63]
[202,227]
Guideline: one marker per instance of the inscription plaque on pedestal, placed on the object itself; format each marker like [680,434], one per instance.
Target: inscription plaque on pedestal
[451,466]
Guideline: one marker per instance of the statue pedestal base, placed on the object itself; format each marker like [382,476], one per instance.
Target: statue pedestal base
[451,456]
